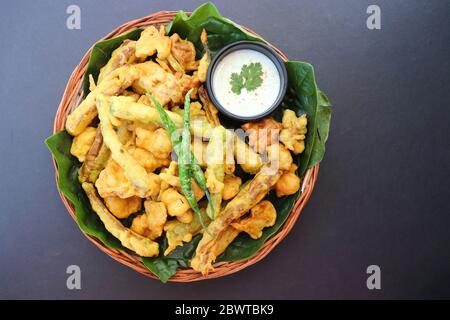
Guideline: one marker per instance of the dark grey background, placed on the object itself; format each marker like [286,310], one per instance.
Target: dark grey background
[382,196]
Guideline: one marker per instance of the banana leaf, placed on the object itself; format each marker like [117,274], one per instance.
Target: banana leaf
[303,96]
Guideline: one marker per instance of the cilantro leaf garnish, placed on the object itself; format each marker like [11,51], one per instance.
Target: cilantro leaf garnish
[250,78]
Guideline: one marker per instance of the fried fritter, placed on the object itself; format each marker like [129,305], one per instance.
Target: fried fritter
[151,223]
[82,143]
[157,142]
[153,41]
[294,131]
[113,182]
[261,216]
[231,186]
[122,208]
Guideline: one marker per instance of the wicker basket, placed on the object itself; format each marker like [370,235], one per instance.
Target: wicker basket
[72,97]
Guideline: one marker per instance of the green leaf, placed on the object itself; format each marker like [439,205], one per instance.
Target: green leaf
[307,97]
[100,54]
[252,75]
[220,31]
[166,266]
[88,221]
[237,83]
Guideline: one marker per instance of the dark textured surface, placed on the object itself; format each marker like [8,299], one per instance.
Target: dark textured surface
[382,194]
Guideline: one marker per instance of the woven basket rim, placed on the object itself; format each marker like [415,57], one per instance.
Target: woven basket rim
[72,96]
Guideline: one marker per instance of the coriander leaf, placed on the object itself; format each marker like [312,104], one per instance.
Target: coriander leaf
[252,74]
[237,83]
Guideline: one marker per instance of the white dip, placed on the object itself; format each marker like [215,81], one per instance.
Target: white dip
[247,103]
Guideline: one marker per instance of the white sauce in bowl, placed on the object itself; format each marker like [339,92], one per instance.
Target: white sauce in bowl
[247,103]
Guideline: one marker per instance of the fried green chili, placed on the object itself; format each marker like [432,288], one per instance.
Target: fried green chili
[175,137]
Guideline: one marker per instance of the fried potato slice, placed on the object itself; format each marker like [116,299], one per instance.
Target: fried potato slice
[261,216]
[153,41]
[123,208]
[151,223]
[129,239]
[82,143]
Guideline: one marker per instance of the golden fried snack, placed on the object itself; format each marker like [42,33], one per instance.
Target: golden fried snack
[288,184]
[231,186]
[146,159]
[262,133]
[246,157]
[198,147]
[151,223]
[112,181]
[95,161]
[175,202]
[123,208]
[294,131]
[140,112]
[149,115]
[82,143]
[133,170]
[215,171]
[279,156]
[123,55]
[129,239]
[186,217]
[261,216]
[205,60]
[154,80]
[224,240]
[178,232]
[184,52]
[115,83]
[157,142]
[153,41]
[212,114]
[247,198]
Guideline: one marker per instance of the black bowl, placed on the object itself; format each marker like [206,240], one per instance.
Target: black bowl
[257,46]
